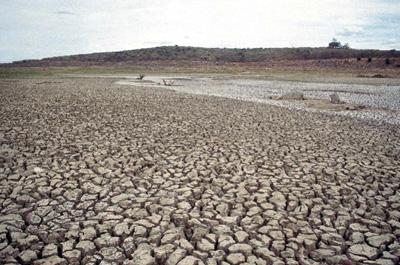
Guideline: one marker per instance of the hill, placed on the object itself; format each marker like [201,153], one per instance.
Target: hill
[196,55]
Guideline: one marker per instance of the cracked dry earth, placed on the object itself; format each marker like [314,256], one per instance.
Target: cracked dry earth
[96,173]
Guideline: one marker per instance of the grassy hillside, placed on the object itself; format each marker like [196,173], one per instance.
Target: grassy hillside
[207,55]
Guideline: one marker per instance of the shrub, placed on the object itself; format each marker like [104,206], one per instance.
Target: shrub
[369,59]
[387,61]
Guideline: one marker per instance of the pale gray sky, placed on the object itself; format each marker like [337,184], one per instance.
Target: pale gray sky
[44,28]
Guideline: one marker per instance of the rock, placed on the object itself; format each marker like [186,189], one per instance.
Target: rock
[363,250]
[334,99]
[292,96]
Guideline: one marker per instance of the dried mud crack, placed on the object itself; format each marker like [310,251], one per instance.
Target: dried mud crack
[96,173]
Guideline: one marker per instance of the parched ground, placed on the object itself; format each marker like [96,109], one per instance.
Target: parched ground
[96,173]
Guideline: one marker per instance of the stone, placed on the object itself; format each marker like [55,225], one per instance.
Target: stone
[334,99]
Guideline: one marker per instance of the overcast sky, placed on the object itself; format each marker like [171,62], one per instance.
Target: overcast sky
[44,28]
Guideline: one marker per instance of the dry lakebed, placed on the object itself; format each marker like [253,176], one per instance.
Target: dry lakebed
[207,171]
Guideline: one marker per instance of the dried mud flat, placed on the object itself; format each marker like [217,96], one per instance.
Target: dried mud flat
[97,173]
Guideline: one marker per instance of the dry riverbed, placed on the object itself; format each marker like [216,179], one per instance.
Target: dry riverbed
[96,172]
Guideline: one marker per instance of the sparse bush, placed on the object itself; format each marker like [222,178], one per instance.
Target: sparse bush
[358,59]
[141,76]
[334,44]
[369,59]
[242,57]
[346,46]
[387,61]
[168,82]
[378,76]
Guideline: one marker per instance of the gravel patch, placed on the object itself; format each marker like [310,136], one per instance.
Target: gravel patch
[381,102]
